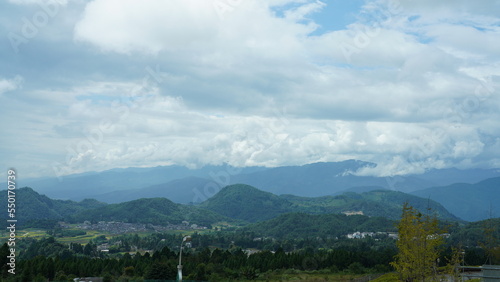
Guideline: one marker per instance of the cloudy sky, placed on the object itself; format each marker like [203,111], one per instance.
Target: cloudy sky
[94,85]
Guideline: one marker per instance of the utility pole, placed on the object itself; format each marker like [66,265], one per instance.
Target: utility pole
[179,267]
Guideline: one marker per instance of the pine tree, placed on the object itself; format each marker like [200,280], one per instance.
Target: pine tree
[418,244]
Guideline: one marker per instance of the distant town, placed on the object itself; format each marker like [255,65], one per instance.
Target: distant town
[116,227]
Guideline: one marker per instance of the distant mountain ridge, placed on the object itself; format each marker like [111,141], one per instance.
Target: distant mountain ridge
[325,178]
[471,202]
[179,190]
[183,185]
[320,179]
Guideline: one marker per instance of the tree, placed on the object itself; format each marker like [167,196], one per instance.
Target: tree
[454,263]
[491,241]
[161,270]
[418,244]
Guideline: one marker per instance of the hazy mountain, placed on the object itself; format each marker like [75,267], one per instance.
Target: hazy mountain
[316,179]
[470,202]
[184,185]
[448,176]
[319,179]
[180,191]
[247,203]
[85,185]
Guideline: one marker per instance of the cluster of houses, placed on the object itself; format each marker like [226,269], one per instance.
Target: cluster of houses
[361,235]
[115,227]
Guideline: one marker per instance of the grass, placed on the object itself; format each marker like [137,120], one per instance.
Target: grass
[314,275]
[388,277]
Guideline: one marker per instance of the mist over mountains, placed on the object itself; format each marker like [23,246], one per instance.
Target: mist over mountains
[182,185]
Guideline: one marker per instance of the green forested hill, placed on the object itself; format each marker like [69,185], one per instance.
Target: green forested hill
[485,232]
[384,203]
[33,208]
[158,211]
[300,225]
[247,203]
[233,203]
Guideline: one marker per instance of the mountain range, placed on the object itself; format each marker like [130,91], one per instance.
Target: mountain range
[183,185]
[251,204]
[238,203]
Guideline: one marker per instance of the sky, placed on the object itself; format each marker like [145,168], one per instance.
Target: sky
[102,84]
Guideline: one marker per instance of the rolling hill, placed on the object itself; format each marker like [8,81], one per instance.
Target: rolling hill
[471,202]
[235,203]
[33,207]
[247,203]
[157,211]
[376,203]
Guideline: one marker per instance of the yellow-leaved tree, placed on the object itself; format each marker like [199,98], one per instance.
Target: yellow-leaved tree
[418,243]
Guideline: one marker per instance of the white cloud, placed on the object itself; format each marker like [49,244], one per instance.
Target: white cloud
[400,99]
[7,85]
[39,2]
[302,11]
[125,26]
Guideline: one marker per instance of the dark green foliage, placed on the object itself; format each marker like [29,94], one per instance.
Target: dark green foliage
[307,250]
[4,252]
[248,203]
[161,271]
[35,210]
[158,211]
[50,248]
[383,203]
[299,225]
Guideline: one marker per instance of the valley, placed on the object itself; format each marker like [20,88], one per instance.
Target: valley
[350,232]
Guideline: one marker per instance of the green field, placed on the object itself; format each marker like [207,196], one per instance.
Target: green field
[37,233]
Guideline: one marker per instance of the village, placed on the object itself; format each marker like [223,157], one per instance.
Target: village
[116,227]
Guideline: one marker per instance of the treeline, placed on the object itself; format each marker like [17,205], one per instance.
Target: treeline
[201,265]
[301,225]
[204,264]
